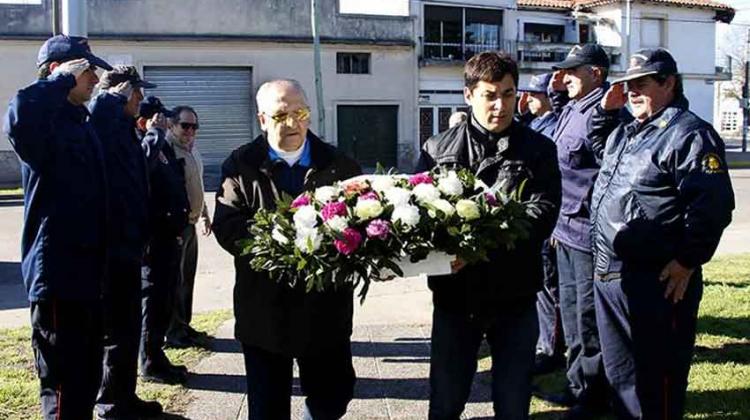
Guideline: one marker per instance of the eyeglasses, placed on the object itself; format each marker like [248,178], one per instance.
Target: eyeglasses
[289,118]
[188,126]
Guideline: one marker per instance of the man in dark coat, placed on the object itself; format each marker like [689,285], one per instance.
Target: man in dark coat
[65,219]
[495,299]
[275,322]
[659,207]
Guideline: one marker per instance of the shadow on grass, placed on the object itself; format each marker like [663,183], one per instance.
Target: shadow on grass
[735,285]
[728,353]
[715,405]
[730,327]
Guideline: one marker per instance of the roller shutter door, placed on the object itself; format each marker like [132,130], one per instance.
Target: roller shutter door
[223,98]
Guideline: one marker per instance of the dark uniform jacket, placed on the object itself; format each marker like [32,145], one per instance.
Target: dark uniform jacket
[505,159]
[663,193]
[272,315]
[64,182]
[545,125]
[126,175]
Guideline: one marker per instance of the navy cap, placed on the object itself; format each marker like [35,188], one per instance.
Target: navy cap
[152,105]
[120,74]
[591,54]
[62,48]
[649,61]
[538,84]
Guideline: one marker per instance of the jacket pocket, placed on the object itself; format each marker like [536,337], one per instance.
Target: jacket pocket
[576,153]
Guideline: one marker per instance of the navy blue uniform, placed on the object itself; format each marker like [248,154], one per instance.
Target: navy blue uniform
[168,212]
[128,187]
[663,194]
[63,241]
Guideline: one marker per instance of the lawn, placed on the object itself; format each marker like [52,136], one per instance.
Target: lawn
[720,375]
[19,388]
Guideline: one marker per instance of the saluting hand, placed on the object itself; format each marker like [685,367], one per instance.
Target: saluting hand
[157,121]
[523,103]
[557,82]
[75,67]
[615,98]
[679,278]
[125,89]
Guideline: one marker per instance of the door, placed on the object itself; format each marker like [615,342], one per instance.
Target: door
[369,134]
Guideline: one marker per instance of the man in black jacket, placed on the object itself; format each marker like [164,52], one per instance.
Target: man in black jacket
[275,322]
[659,207]
[495,299]
[113,115]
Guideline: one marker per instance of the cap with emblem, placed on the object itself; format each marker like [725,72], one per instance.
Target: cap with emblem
[649,61]
[152,105]
[63,48]
[120,74]
[538,84]
[591,54]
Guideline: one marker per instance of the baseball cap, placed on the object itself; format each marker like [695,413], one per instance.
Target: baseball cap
[592,54]
[649,61]
[152,105]
[120,74]
[538,84]
[65,48]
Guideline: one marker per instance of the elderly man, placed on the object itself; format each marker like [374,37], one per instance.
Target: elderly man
[580,80]
[275,322]
[659,207]
[535,101]
[182,135]
[494,299]
[63,241]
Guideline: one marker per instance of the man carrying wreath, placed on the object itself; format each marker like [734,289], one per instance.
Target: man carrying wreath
[277,323]
[494,299]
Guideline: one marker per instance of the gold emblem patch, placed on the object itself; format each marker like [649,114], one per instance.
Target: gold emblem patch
[712,164]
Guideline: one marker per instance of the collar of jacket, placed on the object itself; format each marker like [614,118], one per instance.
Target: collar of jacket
[661,119]
[78,113]
[590,99]
[505,141]
[258,156]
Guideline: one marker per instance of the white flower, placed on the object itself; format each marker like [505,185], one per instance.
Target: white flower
[406,214]
[450,184]
[278,236]
[337,223]
[442,205]
[308,240]
[480,185]
[368,209]
[305,217]
[325,194]
[397,196]
[426,193]
[467,209]
[382,183]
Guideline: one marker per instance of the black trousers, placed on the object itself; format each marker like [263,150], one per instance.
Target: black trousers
[122,334]
[159,277]
[183,308]
[647,343]
[456,338]
[67,341]
[551,341]
[327,381]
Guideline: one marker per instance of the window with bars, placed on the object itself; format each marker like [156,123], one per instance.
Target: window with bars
[434,119]
[353,63]
[729,120]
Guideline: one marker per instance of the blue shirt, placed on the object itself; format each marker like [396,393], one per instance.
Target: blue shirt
[291,179]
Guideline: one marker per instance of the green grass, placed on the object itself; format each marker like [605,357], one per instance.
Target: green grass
[19,387]
[10,191]
[719,384]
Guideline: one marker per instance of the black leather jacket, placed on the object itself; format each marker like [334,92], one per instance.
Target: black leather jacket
[663,192]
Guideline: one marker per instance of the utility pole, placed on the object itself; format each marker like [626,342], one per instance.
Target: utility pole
[55,6]
[74,18]
[318,77]
[746,95]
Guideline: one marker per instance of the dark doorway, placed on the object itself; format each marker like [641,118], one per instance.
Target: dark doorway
[369,134]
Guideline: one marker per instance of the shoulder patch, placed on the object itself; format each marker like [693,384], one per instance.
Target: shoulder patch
[711,164]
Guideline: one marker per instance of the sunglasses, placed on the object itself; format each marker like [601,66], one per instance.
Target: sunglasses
[188,126]
[290,118]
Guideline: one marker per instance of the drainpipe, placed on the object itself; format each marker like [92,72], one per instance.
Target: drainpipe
[74,18]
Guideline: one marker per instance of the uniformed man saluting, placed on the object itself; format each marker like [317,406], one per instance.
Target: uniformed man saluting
[660,204]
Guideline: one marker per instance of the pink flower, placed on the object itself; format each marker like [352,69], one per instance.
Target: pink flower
[350,241]
[378,228]
[423,178]
[301,200]
[491,199]
[370,195]
[333,209]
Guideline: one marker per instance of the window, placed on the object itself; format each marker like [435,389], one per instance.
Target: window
[729,120]
[652,32]
[542,32]
[584,34]
[353,63]
[434,119]
[457,33]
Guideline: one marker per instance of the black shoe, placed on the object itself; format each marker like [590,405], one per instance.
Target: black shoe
[193,333]
[179,343]
[583,412]
[164,376]
[147,409]
[544,364]
[565,399]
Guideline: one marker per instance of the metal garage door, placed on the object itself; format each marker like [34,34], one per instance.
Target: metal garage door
[222,96]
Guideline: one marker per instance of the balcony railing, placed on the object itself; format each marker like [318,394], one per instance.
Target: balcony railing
[527,54]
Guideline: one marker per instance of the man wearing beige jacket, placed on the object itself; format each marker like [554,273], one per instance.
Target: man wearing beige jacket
[182,136]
